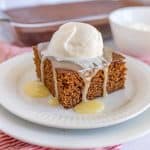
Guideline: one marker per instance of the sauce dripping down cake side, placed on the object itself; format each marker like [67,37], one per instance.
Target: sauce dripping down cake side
[80,80]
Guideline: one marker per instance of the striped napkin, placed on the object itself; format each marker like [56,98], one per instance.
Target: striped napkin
[10,143]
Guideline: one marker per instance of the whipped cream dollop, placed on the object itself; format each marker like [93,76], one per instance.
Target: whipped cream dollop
[75,40]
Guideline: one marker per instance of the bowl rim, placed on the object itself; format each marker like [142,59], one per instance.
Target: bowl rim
[133,8]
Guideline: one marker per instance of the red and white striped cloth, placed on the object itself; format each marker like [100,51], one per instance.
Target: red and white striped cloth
[10,143]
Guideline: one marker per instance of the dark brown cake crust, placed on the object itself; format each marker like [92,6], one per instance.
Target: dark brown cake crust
[37,62]
[70,84]
[48,76]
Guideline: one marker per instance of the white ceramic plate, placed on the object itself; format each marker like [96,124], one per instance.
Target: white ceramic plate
[74,139]
[119,106]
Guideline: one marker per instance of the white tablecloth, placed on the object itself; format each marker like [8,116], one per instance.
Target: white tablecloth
[139,144]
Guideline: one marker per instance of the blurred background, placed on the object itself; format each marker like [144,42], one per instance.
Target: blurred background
[27,23]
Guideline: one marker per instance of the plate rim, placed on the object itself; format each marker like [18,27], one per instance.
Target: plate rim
[29,54]
[70,146]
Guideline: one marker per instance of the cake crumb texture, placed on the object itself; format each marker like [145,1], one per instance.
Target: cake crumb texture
[70,86]
[116,73]
[96,86]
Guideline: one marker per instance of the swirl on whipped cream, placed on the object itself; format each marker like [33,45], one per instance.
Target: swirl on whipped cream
[74,41]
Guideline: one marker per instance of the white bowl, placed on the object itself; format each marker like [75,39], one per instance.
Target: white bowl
[128,39]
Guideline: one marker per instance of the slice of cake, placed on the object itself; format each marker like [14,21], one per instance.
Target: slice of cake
[75,67]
